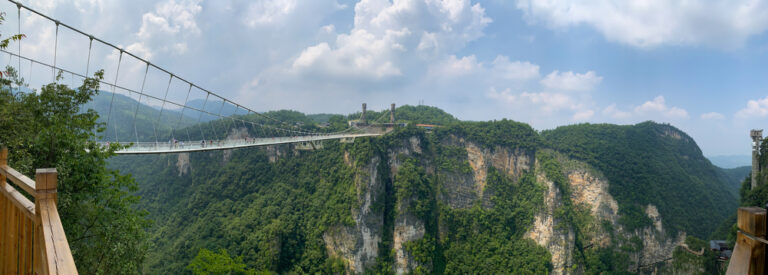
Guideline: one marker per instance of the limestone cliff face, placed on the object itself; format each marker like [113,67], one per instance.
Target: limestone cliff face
[590,190]
[407,227]
[358,245]
[183,164]
[461,190]
[551,233]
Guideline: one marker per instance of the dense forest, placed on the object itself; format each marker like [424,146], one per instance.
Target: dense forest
[279,209]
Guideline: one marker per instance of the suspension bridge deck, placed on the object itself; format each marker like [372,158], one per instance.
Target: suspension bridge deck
[208,145]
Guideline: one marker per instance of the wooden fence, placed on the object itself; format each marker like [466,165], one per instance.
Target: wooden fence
[749,253]
[32,239]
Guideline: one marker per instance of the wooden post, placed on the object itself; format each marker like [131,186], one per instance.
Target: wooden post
[45,187]
[749,254]
[4,213]
[45,184]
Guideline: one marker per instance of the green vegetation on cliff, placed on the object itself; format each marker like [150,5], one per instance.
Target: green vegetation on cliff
[651,163]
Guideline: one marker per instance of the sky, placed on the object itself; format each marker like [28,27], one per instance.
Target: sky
[698,65]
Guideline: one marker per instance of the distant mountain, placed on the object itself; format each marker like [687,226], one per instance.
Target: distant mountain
[215,107]
[731,161]
[148,121]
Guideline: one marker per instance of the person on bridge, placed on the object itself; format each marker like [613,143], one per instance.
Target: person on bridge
[202,144]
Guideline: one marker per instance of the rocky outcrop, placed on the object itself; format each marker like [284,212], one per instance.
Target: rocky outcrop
[358,245]
[407,228]
[589,190]
[182,164]
[513,162]
[551,233]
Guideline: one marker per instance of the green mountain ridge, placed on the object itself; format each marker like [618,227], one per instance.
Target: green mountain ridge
[284,210]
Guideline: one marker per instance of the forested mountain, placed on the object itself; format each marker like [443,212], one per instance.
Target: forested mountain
[651,163]
[467,196]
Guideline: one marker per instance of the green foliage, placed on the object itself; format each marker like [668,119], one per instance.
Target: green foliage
[271,213]
[505,133]
[493,237]
[208,262]
[651,163]
[423,114]
[96,205]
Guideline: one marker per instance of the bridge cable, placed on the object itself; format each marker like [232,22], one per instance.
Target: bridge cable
[138,104]
[223,101]
[30,67]
[55,50]
[182,111]
[201,116]
[88,63]
[109,115]
[160,116]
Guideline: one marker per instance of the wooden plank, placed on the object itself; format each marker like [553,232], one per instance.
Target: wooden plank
[13,266]
[65,263]
[23,237]
[20,180]
[39,253]
[19,201]
[752,220]
[739,259]
[3,230]
[30,247]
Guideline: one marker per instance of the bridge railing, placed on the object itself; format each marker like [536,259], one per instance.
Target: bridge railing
[32,239]
[749,252]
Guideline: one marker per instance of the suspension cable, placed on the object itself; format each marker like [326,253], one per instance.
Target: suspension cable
[160,116]
[109,115]
[138,103]
[88,63]
[55,48]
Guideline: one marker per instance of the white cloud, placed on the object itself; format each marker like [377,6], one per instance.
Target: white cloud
[659,106]
[452,66]
[613,112]
[515,70]
[569,81]
[168,27]
[583,115]
[712,115]
[389,38]
[650,23]
[755,108]
[265,12]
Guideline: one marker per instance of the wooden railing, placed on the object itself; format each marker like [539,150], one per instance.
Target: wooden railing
[32,239]
[749,253]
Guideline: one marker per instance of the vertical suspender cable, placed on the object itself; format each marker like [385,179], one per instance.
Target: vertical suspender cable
[18,71]
[160,116]
[201,115]
[138,104]
[109,114]
[88,63]
[55,48]
[182,113]
[222,122]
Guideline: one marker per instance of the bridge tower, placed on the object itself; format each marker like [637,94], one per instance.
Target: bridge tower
[362,118]
[757,138]
[392,113]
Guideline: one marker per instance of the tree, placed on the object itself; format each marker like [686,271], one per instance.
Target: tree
[106,233]
[209,262]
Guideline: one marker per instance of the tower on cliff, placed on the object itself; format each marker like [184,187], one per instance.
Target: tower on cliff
[757,137]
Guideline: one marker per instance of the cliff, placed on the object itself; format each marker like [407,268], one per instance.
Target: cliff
[492,196]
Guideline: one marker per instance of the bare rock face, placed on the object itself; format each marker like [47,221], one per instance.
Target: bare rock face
[183,164]
[407,228]
[548,232]
[513,162]
[358,245]
[592,191]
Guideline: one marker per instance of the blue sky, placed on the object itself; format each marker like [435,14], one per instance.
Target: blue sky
[699,65]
